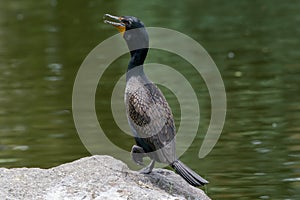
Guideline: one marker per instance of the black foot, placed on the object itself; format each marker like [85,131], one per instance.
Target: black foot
[137,154]
[148,169]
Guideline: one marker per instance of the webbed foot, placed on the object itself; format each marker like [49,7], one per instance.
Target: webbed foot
[137,154]
[148,169]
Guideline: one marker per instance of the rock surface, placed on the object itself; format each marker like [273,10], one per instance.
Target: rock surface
[96,177]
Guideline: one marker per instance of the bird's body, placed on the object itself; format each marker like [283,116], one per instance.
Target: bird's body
[149,115]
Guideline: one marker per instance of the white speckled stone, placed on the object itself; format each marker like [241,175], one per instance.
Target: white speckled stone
[96,177]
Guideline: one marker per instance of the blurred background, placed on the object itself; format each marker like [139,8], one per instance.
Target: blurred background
[255,45]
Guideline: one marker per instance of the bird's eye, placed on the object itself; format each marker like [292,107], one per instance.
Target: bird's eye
[127,22]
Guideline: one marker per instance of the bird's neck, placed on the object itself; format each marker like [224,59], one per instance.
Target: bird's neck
[135,66]
[137,58]
[138,43]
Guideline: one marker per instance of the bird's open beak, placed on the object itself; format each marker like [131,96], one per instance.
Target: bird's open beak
[115,21]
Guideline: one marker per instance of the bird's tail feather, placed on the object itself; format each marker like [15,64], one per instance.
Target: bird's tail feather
[189,175]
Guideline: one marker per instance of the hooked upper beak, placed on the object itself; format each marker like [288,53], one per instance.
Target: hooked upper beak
[115,21]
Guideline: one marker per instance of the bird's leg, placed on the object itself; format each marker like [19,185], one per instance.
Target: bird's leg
[137,154]
[148,169]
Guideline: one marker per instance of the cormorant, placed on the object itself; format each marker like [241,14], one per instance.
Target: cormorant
[149,115]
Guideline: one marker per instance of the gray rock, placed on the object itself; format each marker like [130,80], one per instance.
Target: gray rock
[96,177]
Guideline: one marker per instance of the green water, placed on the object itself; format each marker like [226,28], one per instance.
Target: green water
[255,45]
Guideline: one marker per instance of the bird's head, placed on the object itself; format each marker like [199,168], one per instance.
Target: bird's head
[123,23]
[132,29]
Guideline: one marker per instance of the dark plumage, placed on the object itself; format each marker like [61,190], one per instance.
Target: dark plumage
[149,115]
